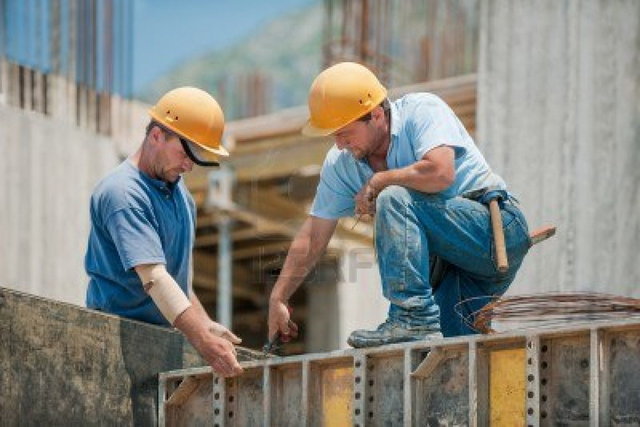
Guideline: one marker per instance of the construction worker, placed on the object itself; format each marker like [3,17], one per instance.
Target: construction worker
[412,164]
[143,227]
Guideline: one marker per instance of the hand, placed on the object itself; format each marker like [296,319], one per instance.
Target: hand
[221,331]
[280,321]
[366,199]
[219,354]
[216,350]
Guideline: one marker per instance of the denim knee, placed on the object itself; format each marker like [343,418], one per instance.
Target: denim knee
[392,197]
[398,198]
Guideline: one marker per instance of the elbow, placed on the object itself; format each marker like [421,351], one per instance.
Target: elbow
[444,180]
[447,179]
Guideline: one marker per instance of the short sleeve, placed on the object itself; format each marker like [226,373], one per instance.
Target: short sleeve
[336,189]
[432,124]
[135,238]
[331,204]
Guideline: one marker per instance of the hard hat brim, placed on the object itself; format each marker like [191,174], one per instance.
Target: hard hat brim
[201,155]
[309,130]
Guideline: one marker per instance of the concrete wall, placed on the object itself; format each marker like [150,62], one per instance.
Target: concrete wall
[65,365]
[559,118]
[49,169]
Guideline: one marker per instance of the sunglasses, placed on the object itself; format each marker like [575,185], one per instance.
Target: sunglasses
[190,147]
[187,149]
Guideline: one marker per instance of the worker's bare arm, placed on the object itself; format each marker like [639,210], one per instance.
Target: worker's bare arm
[215,327]
[306,248]
[433,173]
[191,320]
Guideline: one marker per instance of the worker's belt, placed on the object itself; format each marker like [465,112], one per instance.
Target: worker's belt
[485,195]
[437,266]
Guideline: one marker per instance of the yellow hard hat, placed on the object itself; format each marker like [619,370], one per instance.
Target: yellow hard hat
[196,117]
[340,95]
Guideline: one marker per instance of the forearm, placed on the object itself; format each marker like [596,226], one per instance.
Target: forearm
[193,324]
[424,176]
[299,262]
[188,315]
[197,305]
[433,173]
[306,248]
[163,290]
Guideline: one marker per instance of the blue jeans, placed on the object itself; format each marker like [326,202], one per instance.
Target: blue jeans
[412,226]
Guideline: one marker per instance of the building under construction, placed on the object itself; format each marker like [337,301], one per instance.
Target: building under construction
[549,90]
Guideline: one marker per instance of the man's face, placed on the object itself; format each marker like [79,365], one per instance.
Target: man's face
[171,161]
[356,138]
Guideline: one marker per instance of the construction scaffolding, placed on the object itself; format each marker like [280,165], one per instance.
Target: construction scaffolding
[403,42]
[71,60]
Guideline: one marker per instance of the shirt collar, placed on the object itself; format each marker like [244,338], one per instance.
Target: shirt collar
[395,119]
[165,187]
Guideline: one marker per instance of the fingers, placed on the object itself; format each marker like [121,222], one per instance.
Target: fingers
[231,363]
[293,329]
[221,331]
[280,324]
[278,319]
[226,364]
[283,326]
[274,327]
[292,333]
[365,203]
[226,369]
[231,337]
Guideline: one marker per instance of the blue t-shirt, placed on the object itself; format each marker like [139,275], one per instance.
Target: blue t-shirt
[419,123]
[136,220]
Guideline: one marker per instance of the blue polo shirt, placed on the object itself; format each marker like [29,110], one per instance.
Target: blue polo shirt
[419,123]
[136,220]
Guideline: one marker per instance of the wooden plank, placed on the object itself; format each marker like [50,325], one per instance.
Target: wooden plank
[290,121]
[542,233]
[184,390]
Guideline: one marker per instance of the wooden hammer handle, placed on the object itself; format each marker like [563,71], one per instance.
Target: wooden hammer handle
[498,236]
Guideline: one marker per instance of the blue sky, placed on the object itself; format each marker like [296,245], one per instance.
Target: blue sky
[167,33]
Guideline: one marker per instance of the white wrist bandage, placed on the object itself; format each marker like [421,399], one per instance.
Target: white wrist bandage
[163,290]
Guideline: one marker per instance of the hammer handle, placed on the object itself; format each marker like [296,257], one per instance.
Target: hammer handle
[498,236]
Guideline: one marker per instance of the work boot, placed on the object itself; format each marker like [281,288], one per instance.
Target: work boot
[391,332]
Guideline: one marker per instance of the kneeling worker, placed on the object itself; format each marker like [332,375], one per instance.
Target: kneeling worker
[412,164]
[143,227]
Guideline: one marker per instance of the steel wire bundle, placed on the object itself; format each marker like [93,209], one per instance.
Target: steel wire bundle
[548,309]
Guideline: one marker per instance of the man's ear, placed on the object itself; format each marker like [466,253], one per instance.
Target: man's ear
[156,134]
[378,113]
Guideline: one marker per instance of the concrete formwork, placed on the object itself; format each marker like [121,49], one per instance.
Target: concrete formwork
[65,365]
[558,115]
[577,375]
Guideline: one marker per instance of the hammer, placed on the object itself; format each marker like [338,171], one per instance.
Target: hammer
[498,235]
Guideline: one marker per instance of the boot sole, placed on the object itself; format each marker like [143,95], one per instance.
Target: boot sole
[377,342]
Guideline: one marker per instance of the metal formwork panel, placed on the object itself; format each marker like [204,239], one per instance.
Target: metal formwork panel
[442,396]
[583,375]
[622,397]
[564,380]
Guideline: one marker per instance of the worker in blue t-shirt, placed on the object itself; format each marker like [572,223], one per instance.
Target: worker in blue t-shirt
[412,164]
[143,227]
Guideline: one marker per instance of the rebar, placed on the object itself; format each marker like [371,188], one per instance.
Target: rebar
[524,311]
